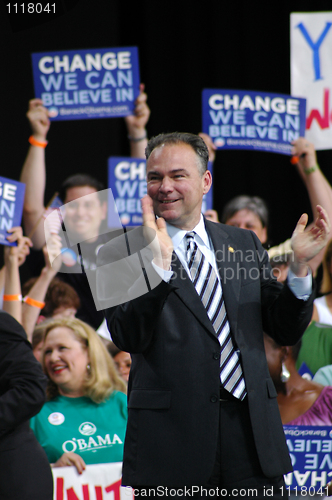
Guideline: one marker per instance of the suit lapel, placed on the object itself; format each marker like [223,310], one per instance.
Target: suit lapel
[185,290]
[228,262]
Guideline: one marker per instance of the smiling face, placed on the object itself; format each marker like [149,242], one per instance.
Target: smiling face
[246,219]
[84,214]
[175,185]
[66,360]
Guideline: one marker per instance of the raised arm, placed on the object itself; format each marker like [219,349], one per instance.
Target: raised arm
[14,256]
[210,145]
[317,186]
[136,126]
[34,302]
[34,172]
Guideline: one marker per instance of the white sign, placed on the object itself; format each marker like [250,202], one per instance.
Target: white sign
[311,72]
[97,482]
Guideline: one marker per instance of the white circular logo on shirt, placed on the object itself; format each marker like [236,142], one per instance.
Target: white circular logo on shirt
[87,429]
[56,418]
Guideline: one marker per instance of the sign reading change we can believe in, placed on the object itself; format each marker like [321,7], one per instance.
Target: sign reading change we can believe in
[239,119]
[92,83]
[310,450]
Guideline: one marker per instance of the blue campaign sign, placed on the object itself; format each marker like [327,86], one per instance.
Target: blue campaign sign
[11,207]
[126,179]
[92,83]
[310,449]
[239,119]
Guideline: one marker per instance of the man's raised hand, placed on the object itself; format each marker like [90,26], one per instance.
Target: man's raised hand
[162,247]
[307,243]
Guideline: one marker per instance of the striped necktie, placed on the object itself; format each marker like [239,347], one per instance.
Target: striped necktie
[209,289]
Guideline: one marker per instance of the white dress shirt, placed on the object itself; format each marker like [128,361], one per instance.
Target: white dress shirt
[301,287]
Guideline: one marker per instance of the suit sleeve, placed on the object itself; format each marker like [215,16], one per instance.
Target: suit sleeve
[284,316]
[133,325]
[22,381]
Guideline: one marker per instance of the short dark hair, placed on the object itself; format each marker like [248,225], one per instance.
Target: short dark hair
[243,202]
[113,349]
[79,180]
[194,141]
[59,294]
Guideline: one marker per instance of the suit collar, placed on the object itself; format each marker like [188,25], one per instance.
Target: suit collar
[177,234]
[185,290]
[228,263]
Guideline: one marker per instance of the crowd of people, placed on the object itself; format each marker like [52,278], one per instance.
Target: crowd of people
[61,345]
[51,331]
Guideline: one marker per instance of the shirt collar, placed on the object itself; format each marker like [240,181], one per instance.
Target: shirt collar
[177,234]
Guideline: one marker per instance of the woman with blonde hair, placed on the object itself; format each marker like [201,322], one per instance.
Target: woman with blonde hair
[86,412]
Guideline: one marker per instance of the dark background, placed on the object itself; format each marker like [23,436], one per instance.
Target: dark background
[183,48]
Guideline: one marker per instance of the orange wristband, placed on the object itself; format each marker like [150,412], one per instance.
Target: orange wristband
[33,302]
[39,144]
[12,298]
[294,160]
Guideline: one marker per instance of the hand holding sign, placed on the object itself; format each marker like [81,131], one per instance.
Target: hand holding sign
[38,117]
[68,459]
[20,252]
[136,122]
[304,152]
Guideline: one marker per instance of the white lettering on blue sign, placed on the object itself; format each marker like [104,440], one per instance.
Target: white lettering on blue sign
[277,104]
[108,61]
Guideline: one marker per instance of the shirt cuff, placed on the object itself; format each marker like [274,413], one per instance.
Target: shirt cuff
[165,275]
[301,287]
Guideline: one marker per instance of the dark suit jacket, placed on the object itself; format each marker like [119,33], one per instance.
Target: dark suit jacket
[24,468]
[173,392]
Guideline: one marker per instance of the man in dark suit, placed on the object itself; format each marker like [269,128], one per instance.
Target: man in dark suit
[202,406]
[25,472]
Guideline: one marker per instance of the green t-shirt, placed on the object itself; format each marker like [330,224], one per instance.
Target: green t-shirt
[94,431]
[316,347]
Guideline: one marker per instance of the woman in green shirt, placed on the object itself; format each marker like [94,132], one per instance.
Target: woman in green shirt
[84,420]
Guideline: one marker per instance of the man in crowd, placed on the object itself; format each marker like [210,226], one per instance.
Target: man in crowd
[86,205]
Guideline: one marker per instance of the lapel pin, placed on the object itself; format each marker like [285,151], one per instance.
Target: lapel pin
[231,249]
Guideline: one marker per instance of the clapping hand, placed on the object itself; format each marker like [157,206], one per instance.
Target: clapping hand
[162,247]
[307,243]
